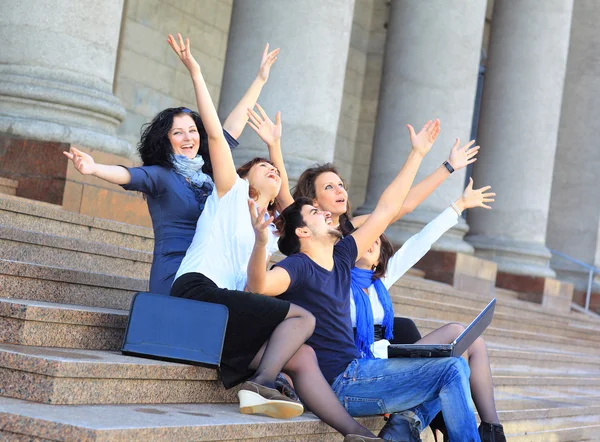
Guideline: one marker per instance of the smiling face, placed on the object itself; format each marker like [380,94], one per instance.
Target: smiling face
[330,194]
[319,223]
[371,256]
[264,177]
[184,136]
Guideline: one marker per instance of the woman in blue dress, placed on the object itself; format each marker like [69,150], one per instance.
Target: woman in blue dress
[175,177]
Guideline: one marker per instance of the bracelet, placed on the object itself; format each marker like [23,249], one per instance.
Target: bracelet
[456,209]
[448,166]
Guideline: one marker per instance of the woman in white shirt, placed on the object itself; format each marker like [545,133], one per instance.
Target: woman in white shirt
[372,311]
[264,335]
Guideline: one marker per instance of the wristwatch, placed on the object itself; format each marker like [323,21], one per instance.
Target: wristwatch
[448,166]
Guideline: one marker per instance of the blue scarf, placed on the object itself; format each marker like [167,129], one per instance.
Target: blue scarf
[365,337]
[202,185]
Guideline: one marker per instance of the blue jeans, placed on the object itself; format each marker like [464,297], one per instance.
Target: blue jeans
[379,386]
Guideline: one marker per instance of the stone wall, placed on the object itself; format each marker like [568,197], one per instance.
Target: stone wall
[149,77]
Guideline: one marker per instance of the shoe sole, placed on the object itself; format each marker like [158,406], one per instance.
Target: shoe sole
[254,403]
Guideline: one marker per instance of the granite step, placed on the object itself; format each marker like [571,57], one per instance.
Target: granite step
[8,186]
[422,308]
[45,324]
[21,213]
[73,376]
[439,292]
[172,422]
[75,254]
[220,422]
[19,280]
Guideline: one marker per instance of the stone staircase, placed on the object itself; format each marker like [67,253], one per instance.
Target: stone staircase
[66,281]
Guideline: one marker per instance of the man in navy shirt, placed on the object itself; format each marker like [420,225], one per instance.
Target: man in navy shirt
[316,276]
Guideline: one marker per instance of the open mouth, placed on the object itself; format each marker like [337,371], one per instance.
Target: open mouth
[187,146]
[328,221]
[272,176]
[341,201]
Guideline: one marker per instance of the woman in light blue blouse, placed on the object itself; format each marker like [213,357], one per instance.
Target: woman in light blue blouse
[175,177]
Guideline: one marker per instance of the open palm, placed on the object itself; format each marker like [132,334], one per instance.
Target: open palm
[268,131]
[268,58]
[477,197]
[422,141]
[83,162]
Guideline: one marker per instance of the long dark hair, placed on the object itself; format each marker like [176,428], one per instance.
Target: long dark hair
[243,171]
[155,148]
[306,188]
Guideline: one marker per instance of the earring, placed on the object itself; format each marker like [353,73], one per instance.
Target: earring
[272,202]
[374,267]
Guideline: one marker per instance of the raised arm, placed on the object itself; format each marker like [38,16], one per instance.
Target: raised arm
[235,122]
[260,280]
[271,134]
[224,174]
[86,165]
[393,197]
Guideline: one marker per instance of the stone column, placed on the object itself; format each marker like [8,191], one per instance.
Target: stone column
[307,81]
[574,217]
[430,71]
[518,130]
[56,72]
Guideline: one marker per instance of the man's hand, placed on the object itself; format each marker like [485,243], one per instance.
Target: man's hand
[268,131]
[259,223]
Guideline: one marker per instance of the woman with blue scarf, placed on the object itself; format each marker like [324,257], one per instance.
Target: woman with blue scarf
[373,313]
[175,177]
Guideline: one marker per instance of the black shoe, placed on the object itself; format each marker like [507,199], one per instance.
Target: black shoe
[284,387]
[491,432]
[403,426]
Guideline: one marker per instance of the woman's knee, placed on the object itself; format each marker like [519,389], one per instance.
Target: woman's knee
[308,319]
[305,358]
[455,329]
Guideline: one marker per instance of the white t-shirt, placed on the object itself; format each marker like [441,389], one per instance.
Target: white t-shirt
[224,239]
[408,255]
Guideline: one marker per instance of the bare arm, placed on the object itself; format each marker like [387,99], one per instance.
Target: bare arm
[224,172]
[235,122]
[393,197]
[272,282]
[271,134]
[86,165]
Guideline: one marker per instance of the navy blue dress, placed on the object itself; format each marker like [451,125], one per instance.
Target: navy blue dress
[174,208]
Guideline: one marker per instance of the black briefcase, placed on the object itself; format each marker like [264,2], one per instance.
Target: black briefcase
[175,329]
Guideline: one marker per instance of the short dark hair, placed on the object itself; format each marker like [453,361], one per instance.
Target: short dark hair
[287,223]
[243,172]
[155,147]
[306,188]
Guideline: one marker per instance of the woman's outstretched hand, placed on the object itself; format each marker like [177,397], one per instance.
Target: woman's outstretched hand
[268,131]
[422,141]
[268,58]
[259,223]
[83,162]
[476,197]
[183,51]
[462,156]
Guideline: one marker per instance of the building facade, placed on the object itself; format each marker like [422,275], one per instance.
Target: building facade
[350,75]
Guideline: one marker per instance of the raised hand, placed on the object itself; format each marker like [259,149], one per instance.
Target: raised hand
[476,197]
[183,51]
[83,162]
[268,131]
[462,156]
[268,58]
[422,142]
[259,223]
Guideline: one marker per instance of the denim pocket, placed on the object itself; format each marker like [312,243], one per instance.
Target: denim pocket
[348,373]
[358,406]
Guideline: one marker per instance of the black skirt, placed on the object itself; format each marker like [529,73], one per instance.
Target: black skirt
[252,320]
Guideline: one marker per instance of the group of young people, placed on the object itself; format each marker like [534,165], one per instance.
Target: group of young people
[323,315]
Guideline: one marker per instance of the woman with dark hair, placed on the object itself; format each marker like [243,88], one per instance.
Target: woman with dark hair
[264,335]
[373,314]
[175,177]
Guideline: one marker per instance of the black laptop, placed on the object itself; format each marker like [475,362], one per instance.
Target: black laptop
[456,348]
[175,329]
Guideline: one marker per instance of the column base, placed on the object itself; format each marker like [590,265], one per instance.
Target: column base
[548,292]
[514,257]
[464,272]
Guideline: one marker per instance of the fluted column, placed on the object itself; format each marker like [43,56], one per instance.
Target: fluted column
[56,72]
[307,81]
[518,130]
[430,70]
[574,218]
